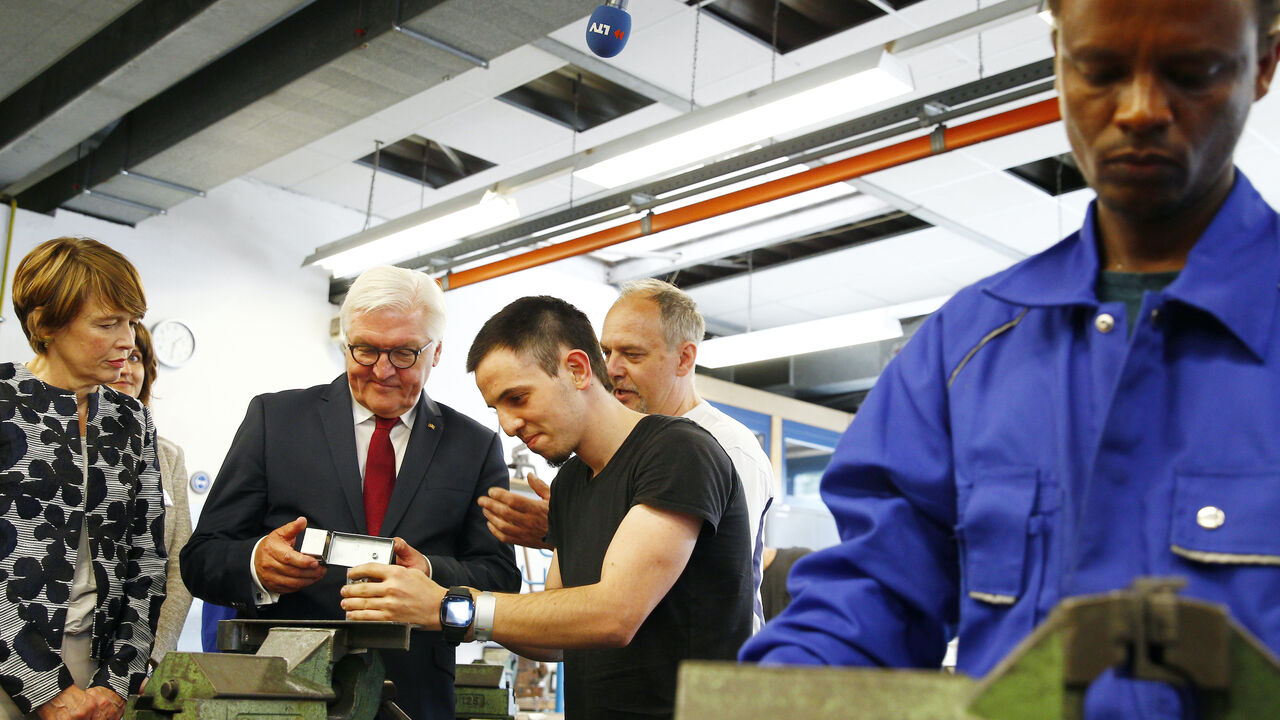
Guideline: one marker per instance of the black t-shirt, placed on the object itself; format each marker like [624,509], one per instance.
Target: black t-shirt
[671,464]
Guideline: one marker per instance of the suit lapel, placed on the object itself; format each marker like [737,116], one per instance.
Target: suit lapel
[427,428]
[340,437]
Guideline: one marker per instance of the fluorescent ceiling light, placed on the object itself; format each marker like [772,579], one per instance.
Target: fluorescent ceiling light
[798,339]
[890,78]
[494,209]
[813,336]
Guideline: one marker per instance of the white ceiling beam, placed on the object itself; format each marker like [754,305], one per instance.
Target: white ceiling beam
[967,24]
[936,219]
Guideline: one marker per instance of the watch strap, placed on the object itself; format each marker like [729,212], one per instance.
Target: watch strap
[486,603]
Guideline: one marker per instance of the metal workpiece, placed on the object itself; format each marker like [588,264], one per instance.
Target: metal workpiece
[346,549]
[1148,631]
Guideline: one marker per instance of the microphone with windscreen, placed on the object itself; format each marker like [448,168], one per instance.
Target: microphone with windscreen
[608,28]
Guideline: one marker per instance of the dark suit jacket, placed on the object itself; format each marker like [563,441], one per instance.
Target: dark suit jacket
[295,455]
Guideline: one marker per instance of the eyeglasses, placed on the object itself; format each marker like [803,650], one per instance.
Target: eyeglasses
[402,358]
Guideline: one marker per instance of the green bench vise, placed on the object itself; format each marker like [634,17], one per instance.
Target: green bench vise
[1149,630]
[299,670]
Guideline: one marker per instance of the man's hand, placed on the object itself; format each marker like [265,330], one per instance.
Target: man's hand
[110,705]
[394,593]
[408,556]
[70,704]
[516,519]
[280,568]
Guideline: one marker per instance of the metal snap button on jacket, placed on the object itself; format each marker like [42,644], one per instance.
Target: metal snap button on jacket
[1210,517]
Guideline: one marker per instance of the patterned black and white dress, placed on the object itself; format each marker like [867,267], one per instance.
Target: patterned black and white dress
[44,499]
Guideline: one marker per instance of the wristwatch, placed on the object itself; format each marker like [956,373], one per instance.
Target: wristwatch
[457,611]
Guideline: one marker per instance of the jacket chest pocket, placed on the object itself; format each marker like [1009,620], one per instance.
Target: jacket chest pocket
[1226,518]
[996,524]
[1003,536]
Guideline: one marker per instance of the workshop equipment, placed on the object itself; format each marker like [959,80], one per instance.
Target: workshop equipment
[300,670]
[1148,630]
[482,691]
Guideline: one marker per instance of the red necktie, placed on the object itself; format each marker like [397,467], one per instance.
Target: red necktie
[379,475]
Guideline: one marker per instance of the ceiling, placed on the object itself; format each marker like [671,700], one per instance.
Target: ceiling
[122,109]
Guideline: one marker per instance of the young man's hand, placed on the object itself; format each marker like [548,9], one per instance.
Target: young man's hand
[392,593]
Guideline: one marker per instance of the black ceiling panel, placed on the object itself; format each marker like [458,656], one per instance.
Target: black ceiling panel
[575,98]
[426,161]
[799,22]
[1056,175]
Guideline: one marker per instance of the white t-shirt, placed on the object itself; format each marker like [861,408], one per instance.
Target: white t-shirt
[755,471]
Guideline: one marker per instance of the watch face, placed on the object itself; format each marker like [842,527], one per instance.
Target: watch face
[457,612]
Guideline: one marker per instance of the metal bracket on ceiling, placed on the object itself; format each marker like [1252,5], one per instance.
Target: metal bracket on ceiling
[162,183]
[640,201]
[438,44]
[933,109]
[938,139]
[124,201]
[646,223]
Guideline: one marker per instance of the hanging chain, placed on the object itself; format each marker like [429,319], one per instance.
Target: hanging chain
[750,278]
[981,67]
[773,42]
[377,158]
[693,70]
[422,190]
[573,142]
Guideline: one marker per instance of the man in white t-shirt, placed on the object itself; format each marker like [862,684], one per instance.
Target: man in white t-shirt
[650,343]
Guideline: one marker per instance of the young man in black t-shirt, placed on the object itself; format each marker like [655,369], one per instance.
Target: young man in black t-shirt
[648,518]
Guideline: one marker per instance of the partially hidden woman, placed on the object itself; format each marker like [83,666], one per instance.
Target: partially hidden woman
[82,562]
[139,373]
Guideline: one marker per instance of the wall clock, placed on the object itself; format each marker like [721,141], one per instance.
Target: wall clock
[174,342]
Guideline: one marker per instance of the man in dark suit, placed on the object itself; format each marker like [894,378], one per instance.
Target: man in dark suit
[368,453]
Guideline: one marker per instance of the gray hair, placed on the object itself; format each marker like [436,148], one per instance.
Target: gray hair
[388,287]
[681,321]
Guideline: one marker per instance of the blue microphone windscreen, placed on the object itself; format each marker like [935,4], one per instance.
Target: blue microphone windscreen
[608,30]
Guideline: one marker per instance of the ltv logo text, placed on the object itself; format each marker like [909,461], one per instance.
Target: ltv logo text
[603,29]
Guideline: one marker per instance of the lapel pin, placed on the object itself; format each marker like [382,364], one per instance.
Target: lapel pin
[431,426]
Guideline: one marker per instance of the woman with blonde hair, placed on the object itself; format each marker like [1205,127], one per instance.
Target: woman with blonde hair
[82,563]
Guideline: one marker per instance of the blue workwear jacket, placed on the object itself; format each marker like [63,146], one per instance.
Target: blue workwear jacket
[1022,449]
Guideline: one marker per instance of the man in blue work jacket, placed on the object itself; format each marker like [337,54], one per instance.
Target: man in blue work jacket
[1106,409]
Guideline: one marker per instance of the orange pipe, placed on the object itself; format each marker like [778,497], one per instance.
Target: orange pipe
[988,128]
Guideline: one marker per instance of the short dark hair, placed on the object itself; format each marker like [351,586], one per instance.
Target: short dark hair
[142,344]
[541,326]
[1268,16]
